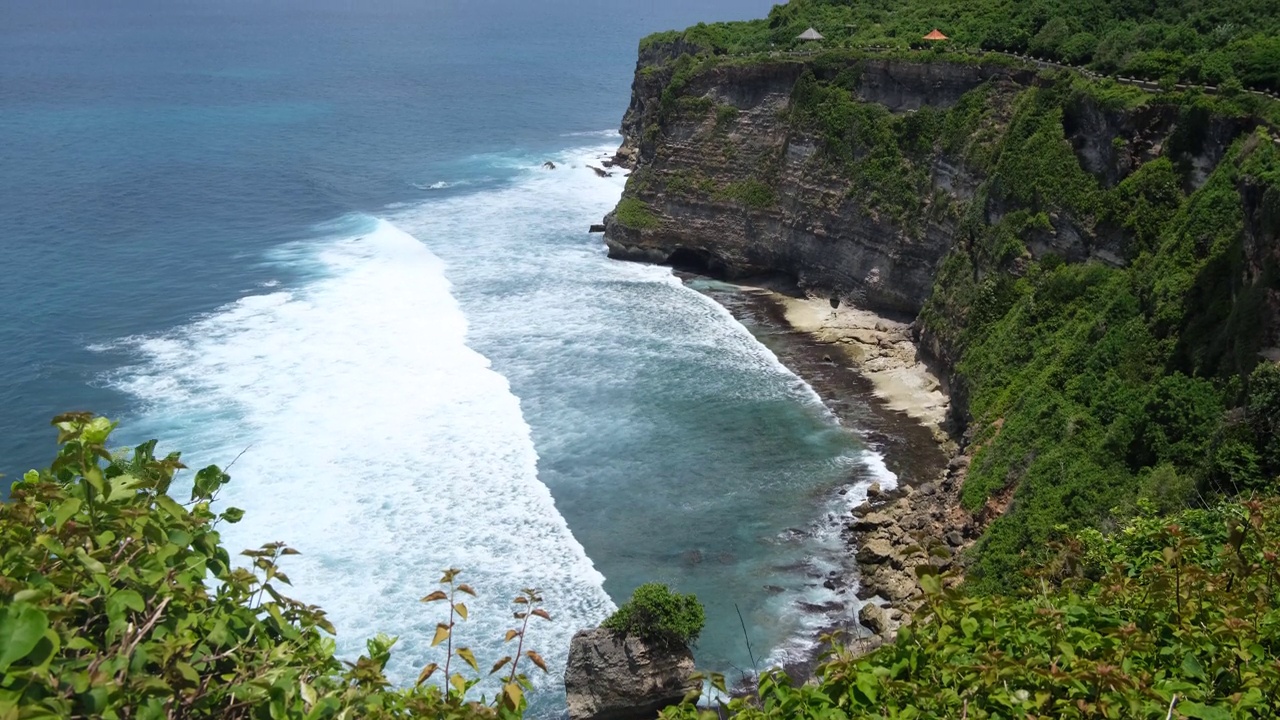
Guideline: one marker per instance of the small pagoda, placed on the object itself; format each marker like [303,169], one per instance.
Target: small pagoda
[935,36]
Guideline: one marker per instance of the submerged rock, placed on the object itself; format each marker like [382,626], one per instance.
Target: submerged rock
[614,677]
[549,165]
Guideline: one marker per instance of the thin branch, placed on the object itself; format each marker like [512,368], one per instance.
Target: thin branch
[237,458]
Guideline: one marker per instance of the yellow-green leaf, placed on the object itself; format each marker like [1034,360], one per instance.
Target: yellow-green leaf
[514,695]
[308,693]
[458,682]
[427,672]
[188,673]
[89,563]
[442,634]
[469,657]
[510,635]
[64,511]
[461,610]
[498,665]
[537,660]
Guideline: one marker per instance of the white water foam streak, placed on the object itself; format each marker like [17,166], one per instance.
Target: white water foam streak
[378,444]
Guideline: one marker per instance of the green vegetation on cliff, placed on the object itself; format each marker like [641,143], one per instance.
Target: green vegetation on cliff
[659,616]
[1169,618]
[1224,42]
[1090,385]
[1103,323]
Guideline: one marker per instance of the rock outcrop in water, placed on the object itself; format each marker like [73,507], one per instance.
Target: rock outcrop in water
[614,677]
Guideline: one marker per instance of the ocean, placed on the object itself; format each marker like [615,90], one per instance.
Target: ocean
[319,237]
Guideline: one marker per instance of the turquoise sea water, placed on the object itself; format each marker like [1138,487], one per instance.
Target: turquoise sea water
[320,233]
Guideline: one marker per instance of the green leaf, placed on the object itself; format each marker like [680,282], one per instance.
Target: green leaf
[188,673]
[867,685]
[21,627]
[121,486]
[233,515]
[930,584]
[118,602]
[171,506]
[1192,667]
[64,511]
[1204,712]
[89,563]
[968,626]
[93,475]
[96,430]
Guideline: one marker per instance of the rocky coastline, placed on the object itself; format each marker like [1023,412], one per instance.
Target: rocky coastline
[868,370]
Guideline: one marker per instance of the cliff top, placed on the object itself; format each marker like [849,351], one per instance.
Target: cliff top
[1211,43]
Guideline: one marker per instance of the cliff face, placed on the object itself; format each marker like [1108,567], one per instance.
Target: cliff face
[733,178]
[1085,260]
[815,230]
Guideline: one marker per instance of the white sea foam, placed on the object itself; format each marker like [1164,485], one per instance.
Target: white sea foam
[548,302]
[376,442]
[385,448]
[593,134]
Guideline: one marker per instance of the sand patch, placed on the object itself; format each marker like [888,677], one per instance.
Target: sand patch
[878,348]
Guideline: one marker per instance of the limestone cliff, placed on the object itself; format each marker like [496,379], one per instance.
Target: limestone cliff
[1083,259]
[734,177]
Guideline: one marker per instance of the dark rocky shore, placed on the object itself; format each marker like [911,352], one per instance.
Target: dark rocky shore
[921,512]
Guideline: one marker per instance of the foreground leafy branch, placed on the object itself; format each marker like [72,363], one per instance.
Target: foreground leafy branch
[118,601]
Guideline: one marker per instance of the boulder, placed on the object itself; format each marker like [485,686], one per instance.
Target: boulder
[596,228]
[614,677]
[877,551]
[875,490]
[875,618]
[892,585]
[871,521]
[600,172]
[549,165]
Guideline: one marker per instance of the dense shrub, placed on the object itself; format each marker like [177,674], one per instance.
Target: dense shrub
[1178,39]
[119,601]
[657,615]
[1171,618]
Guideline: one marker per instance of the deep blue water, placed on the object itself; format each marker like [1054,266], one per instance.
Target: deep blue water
[321,231]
